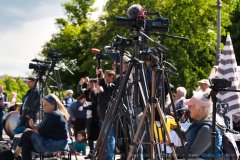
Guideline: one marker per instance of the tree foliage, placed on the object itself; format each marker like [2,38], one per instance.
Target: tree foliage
[234,30]
[11,84]
[193,19]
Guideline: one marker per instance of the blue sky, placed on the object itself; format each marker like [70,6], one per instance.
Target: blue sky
[25,25]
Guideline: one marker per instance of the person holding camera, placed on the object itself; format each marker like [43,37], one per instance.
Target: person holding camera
[3,99]
[31,103]
[200,108]
[105,90]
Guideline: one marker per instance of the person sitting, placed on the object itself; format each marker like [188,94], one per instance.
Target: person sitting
[80,144]
[198,135]
[52,133]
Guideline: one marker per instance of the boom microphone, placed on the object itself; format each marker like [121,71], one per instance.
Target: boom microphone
[136,11]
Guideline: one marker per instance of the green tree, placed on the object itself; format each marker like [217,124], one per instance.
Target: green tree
[234,30]
[197,21]
[193,19]
[74,42]
[11,84]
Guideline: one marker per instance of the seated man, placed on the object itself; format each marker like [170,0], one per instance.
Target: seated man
[198,135]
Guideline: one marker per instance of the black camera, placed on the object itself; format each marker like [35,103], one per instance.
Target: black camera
[159,24]
[115,56]
[54,55]
[184,115]
[217,83]
[123,42]
[38,67]
[150,54]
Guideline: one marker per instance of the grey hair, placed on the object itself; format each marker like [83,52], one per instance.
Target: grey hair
[181,91]
[207,110]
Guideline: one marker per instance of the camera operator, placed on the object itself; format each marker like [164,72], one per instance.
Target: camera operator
[3,98]
[200,107]
[31,104]
[105,90]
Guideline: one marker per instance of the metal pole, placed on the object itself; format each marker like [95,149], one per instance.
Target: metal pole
[218,49]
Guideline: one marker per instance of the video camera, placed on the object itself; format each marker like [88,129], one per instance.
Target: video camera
[184,115]
[114,56]
[122,42]
[39,66]
[159,24]
[138,19]
[217,83]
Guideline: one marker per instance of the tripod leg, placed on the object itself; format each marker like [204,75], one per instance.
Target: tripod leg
[165,129]
[135,138]
[108,123]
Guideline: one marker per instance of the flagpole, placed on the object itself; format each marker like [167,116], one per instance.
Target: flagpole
[218,49]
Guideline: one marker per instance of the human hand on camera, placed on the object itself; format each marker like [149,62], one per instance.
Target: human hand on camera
[99,71]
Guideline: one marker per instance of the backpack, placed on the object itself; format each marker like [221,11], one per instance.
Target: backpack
[229,147]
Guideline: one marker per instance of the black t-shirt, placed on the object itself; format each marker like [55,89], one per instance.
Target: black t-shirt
[53,126]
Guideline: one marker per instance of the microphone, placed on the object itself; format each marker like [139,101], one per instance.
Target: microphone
[39,61]
[136,11]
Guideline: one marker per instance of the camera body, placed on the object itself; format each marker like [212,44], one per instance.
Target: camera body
[220,83]
[159,24]
[115,56]
[38,67]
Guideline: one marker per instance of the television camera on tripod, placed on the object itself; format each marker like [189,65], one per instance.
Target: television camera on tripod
[139,131]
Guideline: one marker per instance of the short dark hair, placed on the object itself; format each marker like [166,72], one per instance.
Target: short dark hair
[81,95]
[83,133]
[31,78]
[110,73]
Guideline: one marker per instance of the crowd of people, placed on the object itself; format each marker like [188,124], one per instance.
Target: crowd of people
[83,116]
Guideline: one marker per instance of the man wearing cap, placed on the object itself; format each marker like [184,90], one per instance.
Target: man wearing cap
[198,135]
[31,102]
[204,85]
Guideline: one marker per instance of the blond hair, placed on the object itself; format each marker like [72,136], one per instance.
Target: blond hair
[61,107]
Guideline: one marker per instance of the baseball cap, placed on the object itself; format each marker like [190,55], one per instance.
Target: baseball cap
[199,98]
[69,91]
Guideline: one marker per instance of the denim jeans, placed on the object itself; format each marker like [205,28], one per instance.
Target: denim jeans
[110,155]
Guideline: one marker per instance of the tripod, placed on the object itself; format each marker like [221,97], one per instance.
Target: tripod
[140,89]
[216,86]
